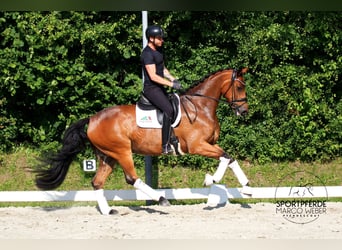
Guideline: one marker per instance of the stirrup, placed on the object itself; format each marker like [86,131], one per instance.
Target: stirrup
[166,149]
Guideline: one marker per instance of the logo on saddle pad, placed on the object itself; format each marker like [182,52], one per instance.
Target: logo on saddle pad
[146,119]
[148,116]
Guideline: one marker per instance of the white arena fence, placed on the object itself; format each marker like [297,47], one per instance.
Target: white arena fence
[215,194]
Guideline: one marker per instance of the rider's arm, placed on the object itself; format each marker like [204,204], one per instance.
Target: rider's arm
[168,75]
[151,70]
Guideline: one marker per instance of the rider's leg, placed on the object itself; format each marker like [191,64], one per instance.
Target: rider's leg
[166,129]
[160,99]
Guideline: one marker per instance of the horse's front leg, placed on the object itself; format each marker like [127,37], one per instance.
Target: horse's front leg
[225,162]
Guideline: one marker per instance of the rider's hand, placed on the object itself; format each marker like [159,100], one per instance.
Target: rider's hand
[176,84]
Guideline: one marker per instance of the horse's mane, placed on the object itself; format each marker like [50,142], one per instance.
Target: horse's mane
[197,82]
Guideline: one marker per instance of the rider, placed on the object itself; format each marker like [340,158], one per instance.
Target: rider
[156,77]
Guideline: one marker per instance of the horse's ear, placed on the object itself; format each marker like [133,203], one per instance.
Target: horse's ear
[244,70]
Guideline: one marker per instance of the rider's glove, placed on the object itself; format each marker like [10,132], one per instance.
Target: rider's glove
[176,84]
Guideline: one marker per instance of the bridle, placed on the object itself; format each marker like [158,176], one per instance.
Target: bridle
[231,103]
[232,85]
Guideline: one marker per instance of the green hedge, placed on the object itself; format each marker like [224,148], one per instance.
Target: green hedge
[58,67]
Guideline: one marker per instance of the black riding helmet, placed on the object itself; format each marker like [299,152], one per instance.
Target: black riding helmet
[153,31]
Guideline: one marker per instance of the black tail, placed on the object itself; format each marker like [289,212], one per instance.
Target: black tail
[74,142]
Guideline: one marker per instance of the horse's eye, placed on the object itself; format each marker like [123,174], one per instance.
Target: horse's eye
[240,88]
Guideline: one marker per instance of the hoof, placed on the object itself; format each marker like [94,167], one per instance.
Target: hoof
[163,202]
[107,210]
[113,212]
[208,180]
[247,190]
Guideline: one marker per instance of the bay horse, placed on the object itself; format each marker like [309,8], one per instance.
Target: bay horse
[114,135]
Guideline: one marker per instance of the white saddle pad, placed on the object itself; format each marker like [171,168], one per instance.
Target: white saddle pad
[148,118]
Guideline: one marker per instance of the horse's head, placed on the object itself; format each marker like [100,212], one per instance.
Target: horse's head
[235,92]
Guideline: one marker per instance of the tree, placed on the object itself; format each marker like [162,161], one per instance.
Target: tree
[57,67]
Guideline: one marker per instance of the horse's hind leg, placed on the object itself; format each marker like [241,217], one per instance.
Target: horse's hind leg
[106,166]
[127,165]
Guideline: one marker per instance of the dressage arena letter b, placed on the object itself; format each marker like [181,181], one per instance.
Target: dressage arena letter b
[89,165]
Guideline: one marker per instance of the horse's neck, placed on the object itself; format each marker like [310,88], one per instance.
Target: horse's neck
[212,86]
[210,91]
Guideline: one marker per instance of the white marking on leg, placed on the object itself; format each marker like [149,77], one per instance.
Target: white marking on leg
[208,180]
[217,177]
[247,190]
[139,184]
[239,173]
[221,169]
[102,202]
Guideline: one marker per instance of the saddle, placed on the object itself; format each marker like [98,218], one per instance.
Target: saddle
[146,111]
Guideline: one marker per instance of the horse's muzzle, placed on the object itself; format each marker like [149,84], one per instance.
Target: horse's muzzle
[241,110]
[240,106]
[244,113]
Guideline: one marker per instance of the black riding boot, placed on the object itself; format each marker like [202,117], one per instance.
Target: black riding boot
[166,129]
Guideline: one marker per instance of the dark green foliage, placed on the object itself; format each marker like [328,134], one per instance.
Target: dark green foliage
[59,67]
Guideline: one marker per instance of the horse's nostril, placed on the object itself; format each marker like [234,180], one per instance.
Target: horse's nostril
[244,112]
